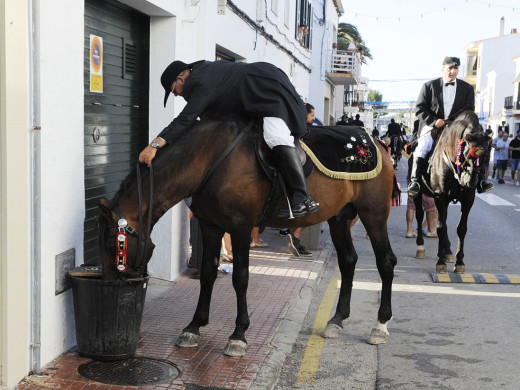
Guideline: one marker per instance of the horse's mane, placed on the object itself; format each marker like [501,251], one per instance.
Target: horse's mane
[184,140]
[466,122]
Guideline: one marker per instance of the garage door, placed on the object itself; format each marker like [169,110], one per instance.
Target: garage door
[116,119]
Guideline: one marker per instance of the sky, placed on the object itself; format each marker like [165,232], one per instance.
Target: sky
[408,39]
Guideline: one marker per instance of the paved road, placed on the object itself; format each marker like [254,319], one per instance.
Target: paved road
[443,336]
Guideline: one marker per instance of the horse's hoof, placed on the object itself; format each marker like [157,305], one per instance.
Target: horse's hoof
[187,339]
[379,334]
[450,258]
[235,348]
[459,269]
[441,269]
[421,253]
[332,331]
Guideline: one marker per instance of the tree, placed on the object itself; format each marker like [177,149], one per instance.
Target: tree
[375,96]
[347,33]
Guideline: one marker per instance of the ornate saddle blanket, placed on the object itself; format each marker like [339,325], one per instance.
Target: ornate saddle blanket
[343,152]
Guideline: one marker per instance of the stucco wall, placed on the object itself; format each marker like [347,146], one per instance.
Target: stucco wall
[62,175]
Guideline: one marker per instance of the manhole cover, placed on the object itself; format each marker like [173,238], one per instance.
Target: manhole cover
[130,372]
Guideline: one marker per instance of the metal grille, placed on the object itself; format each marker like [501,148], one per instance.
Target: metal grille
[131,372]
[130,58]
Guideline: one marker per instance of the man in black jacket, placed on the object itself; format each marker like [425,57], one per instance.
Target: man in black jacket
[438,101]
[394,130]
[258,90]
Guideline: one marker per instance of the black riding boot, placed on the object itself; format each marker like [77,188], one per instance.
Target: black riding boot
[294,179]
[417,170]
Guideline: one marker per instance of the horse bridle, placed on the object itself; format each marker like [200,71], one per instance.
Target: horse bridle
[124,229]
[456,166]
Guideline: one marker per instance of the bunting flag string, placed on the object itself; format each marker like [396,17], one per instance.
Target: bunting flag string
[424,14]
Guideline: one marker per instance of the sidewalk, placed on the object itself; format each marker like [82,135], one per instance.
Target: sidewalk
[280,290]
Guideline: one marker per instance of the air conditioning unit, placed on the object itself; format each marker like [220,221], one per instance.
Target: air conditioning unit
[260,12]
[221,7]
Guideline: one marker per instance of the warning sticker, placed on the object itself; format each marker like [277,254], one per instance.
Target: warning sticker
[96,64]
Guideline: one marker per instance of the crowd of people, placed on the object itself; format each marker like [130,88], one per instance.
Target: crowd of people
[505,151]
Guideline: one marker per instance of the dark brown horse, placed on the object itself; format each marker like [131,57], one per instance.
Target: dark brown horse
[454,168]
[231,201]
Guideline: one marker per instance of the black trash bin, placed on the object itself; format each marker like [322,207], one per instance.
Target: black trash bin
[108,316]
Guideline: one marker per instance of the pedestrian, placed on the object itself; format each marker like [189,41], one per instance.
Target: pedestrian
[357,122]
[493,147]
[256,241]
[394,130]
[429,208]
[440,100]
[256,90]
[514,148]
[504,128]
[428,204]
[303,31]
[342,121]
[293,238]
[502,156]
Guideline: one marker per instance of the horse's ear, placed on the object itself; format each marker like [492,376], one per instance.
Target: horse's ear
[104,206]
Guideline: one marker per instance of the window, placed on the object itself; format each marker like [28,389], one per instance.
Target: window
[518,97]
[219,56]
[472,64]
[304,22]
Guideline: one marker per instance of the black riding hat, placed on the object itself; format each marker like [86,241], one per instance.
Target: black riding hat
[170,74]
[451,61]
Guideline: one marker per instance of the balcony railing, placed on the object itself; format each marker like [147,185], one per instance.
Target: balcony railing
[344,67]
[508,103]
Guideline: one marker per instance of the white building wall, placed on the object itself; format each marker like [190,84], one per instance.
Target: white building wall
[325,27]
[62,179]
[495,76]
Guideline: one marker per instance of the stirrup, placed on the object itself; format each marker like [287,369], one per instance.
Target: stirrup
[305,207]
[413,189]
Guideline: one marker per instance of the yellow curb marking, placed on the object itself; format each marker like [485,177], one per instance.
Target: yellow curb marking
[467,278]
[490,278]
[513,278]
[311,357]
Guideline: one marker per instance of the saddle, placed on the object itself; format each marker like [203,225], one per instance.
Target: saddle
[345,153]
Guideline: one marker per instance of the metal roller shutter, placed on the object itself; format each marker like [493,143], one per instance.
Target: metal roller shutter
[116,120]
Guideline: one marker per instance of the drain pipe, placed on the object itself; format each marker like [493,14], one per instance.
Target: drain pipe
[35,120]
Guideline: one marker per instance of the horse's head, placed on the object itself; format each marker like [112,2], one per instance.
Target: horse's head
[472,157]
[120,252]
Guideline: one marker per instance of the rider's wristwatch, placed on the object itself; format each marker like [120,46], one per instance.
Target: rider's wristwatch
[154,144]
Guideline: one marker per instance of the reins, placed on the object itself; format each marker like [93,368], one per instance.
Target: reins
[145,238]
[219,160]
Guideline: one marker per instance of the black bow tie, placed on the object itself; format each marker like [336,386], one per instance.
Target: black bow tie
[452,83]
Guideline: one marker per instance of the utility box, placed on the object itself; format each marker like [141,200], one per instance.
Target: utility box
[310,237]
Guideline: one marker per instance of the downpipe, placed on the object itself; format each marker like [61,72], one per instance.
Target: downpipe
[35,214]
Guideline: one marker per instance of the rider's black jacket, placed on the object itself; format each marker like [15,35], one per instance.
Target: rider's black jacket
[255,90]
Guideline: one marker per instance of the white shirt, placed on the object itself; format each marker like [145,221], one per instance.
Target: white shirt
[448,96]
